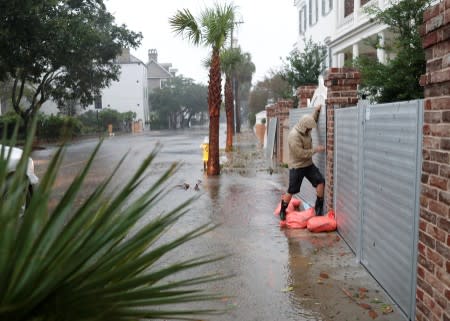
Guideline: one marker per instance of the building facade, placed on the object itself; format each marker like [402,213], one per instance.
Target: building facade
[130,92]
[158,73]
[344,27]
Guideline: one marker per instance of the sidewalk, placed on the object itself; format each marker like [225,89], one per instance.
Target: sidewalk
[326,276]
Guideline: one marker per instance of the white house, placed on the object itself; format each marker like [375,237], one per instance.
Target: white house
[343,27]
[130,92]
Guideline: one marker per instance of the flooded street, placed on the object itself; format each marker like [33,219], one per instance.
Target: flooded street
[275,274]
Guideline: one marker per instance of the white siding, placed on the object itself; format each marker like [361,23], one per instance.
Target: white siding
[129,93]
[319,30]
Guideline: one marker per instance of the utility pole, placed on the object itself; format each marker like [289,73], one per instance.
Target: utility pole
[237,109]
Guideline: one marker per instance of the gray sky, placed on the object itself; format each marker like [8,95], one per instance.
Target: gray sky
[268,32]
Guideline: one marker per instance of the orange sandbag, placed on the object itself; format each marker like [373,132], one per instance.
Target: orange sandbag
[294,205]
[298,219]
[325,223]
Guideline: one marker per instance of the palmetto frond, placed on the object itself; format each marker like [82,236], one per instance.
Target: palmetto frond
[230,58]
[217,24]
[99,262]
[184,23]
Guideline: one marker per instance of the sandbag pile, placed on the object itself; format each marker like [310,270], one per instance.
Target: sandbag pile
[326,223]
[297,219]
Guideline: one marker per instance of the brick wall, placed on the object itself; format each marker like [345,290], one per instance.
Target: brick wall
[280,110]
[304,93]
[342,86]
[433,266]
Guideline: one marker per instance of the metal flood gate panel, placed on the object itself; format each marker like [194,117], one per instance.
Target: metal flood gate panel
[319,137]
[377,191]
[346,182]
[271,138]
[392,169]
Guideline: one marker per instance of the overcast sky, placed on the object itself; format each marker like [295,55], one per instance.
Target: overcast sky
[268,32]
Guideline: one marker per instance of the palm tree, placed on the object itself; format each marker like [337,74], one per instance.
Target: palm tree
[212,29]
[230,58]
[244,72]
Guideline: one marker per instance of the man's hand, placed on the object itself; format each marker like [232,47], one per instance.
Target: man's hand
[319,149]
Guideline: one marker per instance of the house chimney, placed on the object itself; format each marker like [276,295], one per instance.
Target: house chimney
[125,56]
[152,55]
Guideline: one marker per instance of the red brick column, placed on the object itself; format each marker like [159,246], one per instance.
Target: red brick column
[433,266]
[342,84]
[304,93]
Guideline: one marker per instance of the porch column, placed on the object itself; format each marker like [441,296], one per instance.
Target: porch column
[381,53]
[340,60]
[355,51]
[356,5]
[334,60]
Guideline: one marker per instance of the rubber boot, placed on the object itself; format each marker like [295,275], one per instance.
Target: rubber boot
[284,206]
[319,206]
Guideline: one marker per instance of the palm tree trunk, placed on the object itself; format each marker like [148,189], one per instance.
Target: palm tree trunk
[229,113]
[214,101]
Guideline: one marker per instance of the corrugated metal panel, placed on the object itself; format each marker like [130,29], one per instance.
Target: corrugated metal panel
[319,136]
[346,169]
[391,174]
[272,130]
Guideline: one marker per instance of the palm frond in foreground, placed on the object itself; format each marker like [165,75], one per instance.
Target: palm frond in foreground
[95,262]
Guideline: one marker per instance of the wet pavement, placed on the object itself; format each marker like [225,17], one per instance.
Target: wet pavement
[277,274]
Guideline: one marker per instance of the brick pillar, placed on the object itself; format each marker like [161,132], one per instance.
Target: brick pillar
[280,110]
[283,122]
[433,264]
[304,93]
[342,84]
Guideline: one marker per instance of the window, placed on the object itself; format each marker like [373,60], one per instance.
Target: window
[327,6]
[313,12]
[364,2]
[348,7]
[302,20]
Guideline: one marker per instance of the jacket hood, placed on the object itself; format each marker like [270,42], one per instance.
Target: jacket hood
[306,122]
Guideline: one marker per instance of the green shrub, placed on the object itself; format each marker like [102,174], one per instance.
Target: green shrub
[56,127]
[8,122]
[94,121]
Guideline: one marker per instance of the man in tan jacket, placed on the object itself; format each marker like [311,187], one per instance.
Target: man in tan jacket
[301,164]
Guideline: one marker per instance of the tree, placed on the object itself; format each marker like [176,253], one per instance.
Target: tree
[398,79]
[212,29]
[244,73]
[194,102]
[301,68]
[272,88]
[230,58]
[60,50]
[177,102]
